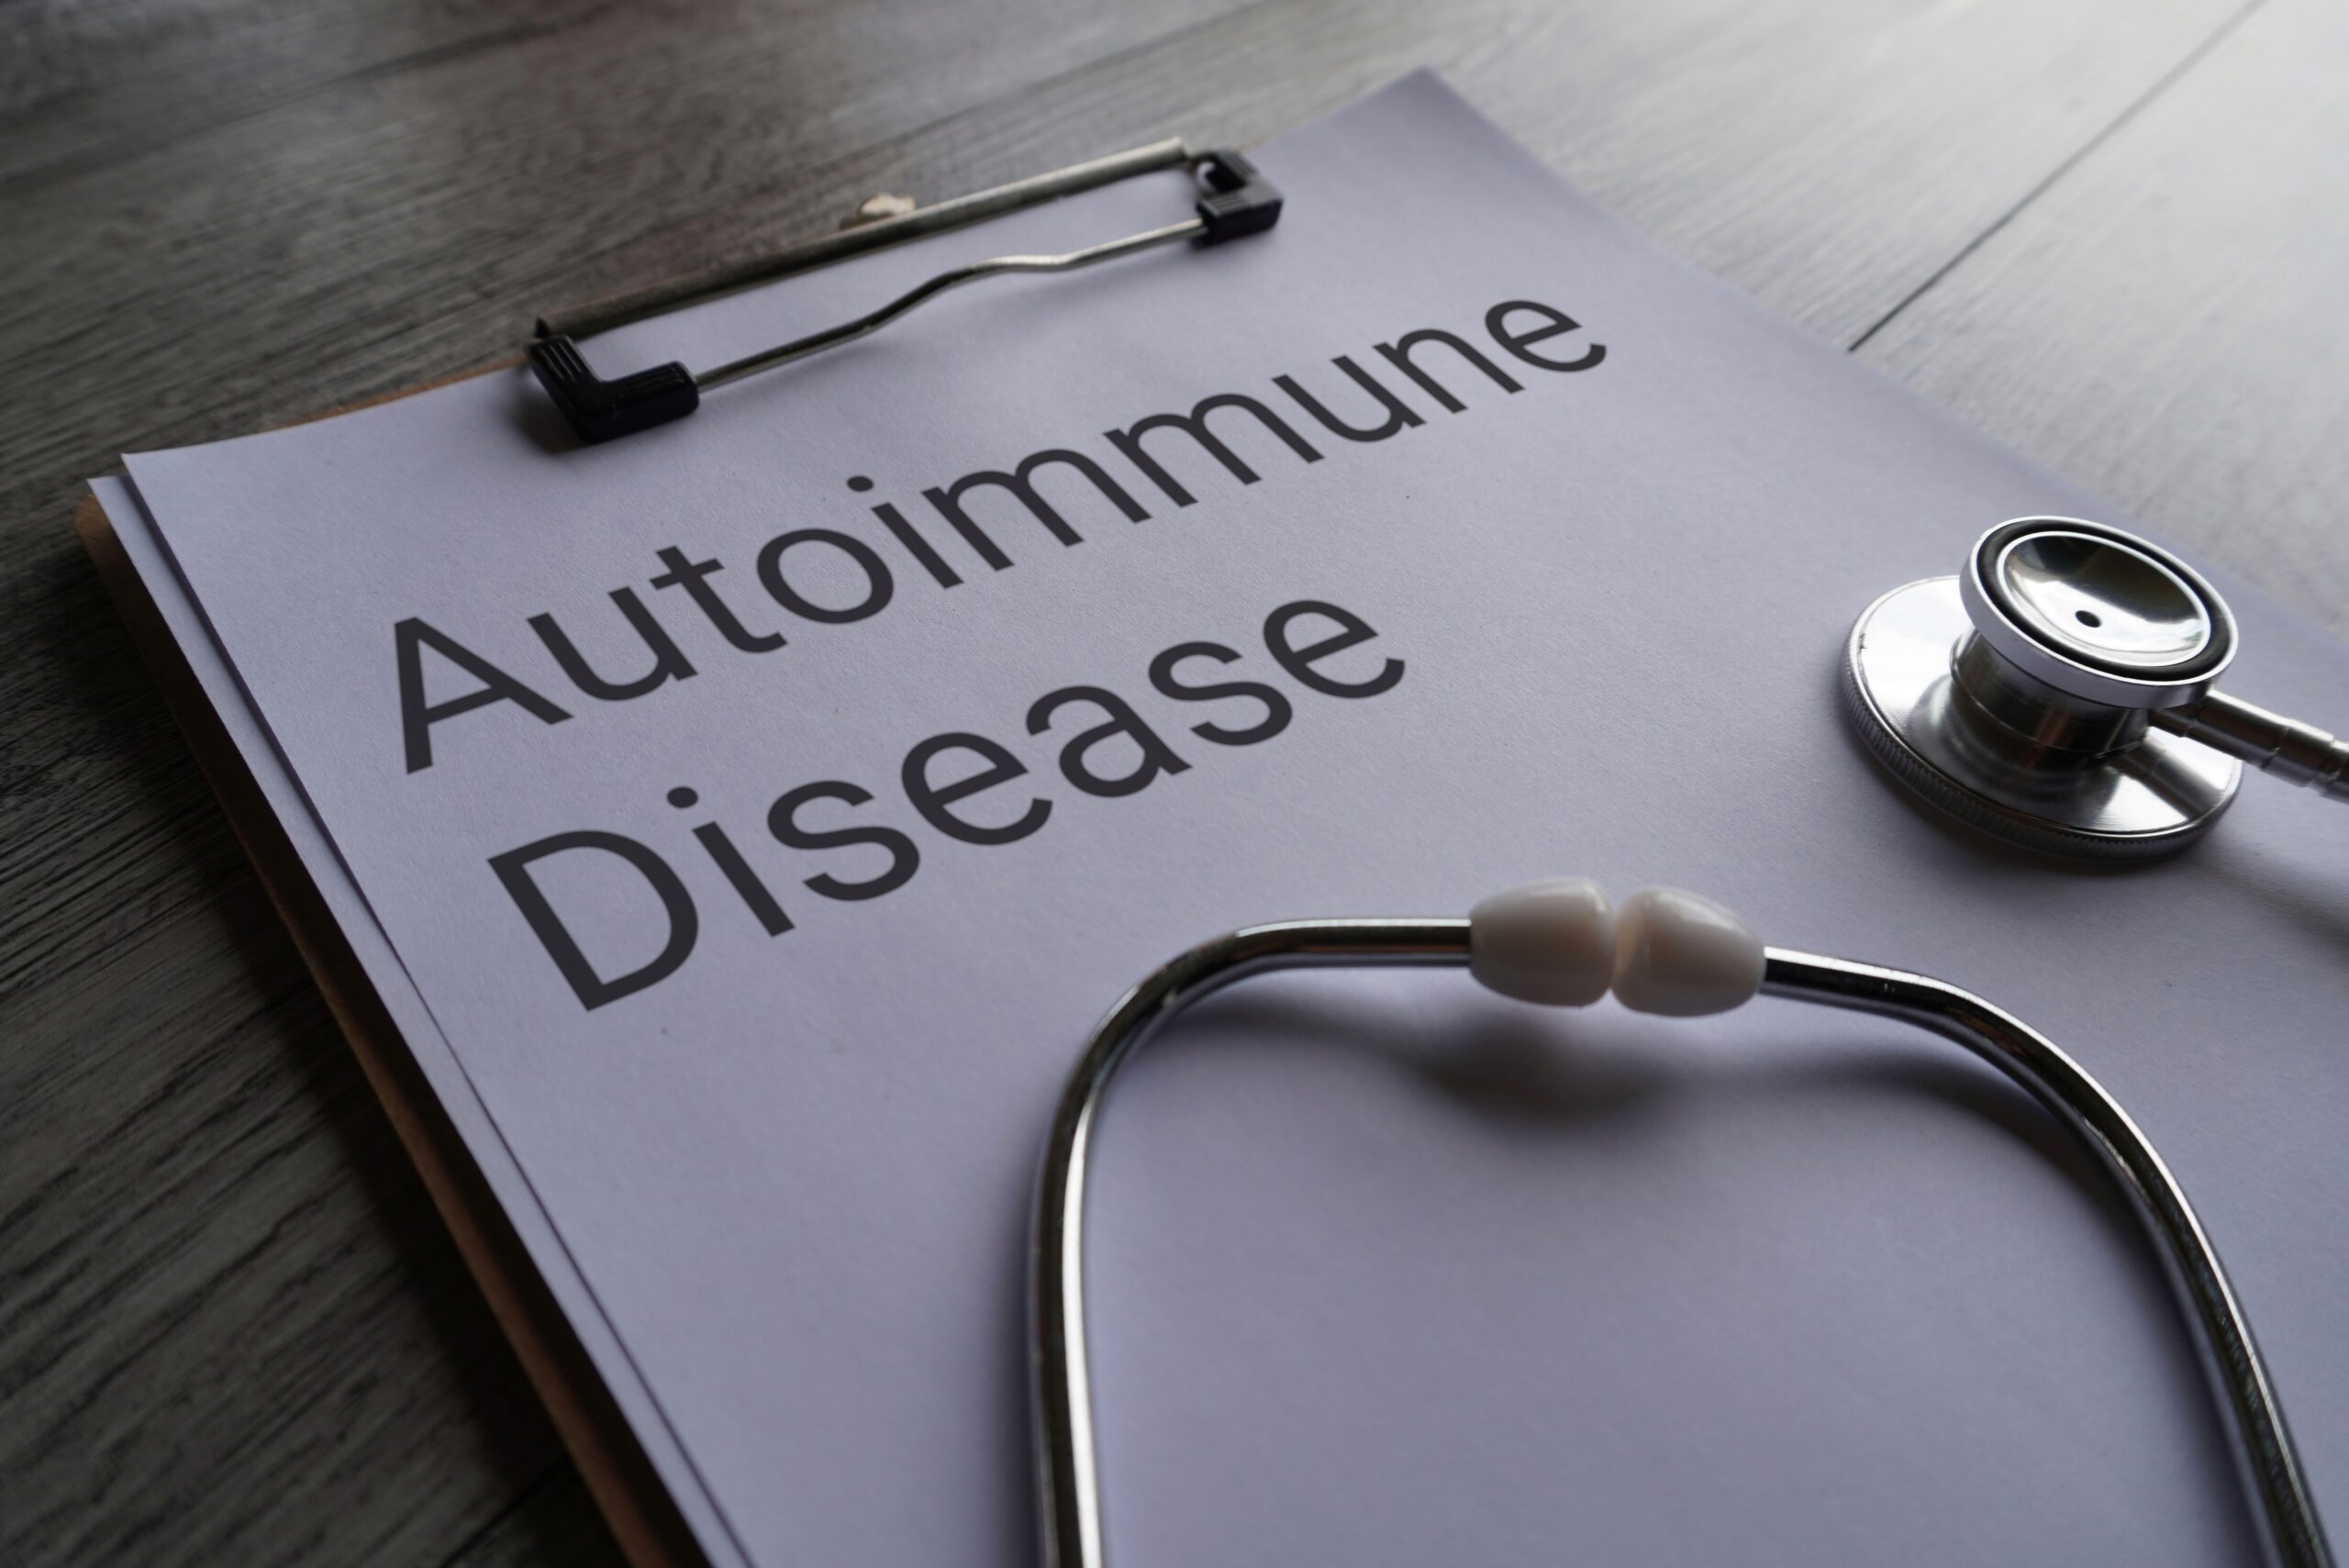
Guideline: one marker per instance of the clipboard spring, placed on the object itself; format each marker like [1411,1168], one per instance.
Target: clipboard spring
[1234,201]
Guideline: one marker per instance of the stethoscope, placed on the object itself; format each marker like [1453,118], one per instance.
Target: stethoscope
[2058,694]
[1665,952]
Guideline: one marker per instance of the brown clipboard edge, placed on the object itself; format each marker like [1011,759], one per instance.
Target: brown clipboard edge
[642,1516]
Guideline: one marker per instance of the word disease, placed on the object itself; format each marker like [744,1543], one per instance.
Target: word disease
[827,576]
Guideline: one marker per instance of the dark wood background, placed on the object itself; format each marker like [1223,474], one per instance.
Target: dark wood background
[2113,233]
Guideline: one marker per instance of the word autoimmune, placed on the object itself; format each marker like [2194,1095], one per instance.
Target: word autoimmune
[955,784]
[827,576]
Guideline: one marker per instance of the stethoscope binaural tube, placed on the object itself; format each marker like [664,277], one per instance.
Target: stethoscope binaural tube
[2058,693]
[1667,952]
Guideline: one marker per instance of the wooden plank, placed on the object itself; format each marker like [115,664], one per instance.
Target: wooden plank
[234,1329]
[88,86]
[83,85]
[2167,326]
[553,1522]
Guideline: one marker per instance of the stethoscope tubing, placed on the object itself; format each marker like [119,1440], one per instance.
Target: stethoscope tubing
[1068,1478]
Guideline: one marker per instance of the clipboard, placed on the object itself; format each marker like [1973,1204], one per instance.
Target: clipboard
[1772,449]
[1235,201]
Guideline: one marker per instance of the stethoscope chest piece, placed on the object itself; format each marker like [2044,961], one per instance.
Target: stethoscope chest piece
[2036,695]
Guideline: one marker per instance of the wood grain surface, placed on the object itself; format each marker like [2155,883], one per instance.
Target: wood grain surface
[2113,233]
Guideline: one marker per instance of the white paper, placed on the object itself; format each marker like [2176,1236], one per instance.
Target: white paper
[1385,1271]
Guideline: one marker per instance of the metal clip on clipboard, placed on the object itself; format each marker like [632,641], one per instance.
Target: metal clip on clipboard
[1234,201]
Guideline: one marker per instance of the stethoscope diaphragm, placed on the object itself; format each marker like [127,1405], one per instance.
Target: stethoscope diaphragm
[2058,693]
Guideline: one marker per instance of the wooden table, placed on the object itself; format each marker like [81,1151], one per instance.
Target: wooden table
[2113,233]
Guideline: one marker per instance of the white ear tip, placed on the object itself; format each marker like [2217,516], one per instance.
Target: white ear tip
[1681,955]
[1551,942]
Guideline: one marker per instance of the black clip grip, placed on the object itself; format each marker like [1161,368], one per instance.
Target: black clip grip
[1239,200]
[599,410]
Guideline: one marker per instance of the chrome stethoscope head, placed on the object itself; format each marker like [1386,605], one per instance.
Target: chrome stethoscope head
[2095,620]
[2057,692]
